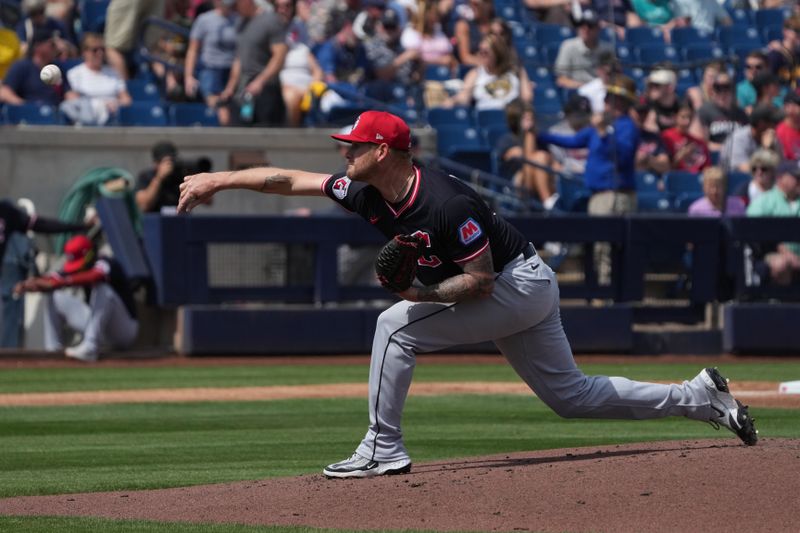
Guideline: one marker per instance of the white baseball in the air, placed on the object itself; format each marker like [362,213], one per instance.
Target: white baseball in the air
[51,75]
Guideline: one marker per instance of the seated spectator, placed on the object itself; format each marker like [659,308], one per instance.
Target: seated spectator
[519,145]
[328,17]
[655,13]
[762,166]
[686,152]
[700,94]
[577,58]
[745,140]
[22,82]
[768,90]
[607,66]
[37,18]
[96,90]
[343,58]
[500,27]
[705,15]
[720,116]
[300,68]
[366,22]
[427,37]
[391,64]
[470,31]
[616,14]
[660,103]
[783,57]
[577,115]
[788,131]
[754,64]
[783,200]
[211,52]
[714,202]
[106,319]
[124,19]
[494,83]
[255,74]
[651,154]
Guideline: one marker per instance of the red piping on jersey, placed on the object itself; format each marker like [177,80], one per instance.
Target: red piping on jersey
[474,255]
[410,200]
[324,183]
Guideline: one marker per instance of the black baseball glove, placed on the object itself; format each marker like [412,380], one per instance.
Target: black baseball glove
[396,264]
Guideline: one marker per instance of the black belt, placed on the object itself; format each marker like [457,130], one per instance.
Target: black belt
[529,251]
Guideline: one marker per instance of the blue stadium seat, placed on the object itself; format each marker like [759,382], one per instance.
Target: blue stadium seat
[540,75]
[772,33]
[142,114]
[529,54]
[686,79]
[740,17]
[651,54]
[643,35]
[191,114]
[142,90]
[490,117]
[689,35]
[574,196]
[37,114]
[545,34]
[655,202]
[93,15]
[479,157]
[646,181]
[736,179]
[701,52]
[438,73]
[549,53]
[769,17]
[684,200]
[452,138]
[678,181]
[345,114]
[730,36]
[509,12]
[493,133]
[450,116]
[546,100]
[624,53]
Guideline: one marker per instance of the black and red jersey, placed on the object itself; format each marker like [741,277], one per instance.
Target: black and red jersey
[455,223]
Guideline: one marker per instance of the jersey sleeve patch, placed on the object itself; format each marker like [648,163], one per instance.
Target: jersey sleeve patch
[469,231]
[340,187]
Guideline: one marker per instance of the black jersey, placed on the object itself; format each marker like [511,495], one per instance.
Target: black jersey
[455,223]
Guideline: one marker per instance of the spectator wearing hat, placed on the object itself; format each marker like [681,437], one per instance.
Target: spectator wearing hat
[714,202]
[595,90]
[720,115]
[105,318]
[519,146]
[158,187]
[783,200]
[36,18]
[763,163]
[686,152]
[96,90]
[705,15]
[22,83]
[210,56]
[577,115]
[611,164]
[788,131]
[745,140]
[577,58]
[783,57]
[660,101]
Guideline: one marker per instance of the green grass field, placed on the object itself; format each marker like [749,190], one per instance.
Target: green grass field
[65,449]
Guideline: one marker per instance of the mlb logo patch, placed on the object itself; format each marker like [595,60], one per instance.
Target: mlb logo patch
[340,187]
[469,231]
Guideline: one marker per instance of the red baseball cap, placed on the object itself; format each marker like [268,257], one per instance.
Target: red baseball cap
[378,127]
[78,251]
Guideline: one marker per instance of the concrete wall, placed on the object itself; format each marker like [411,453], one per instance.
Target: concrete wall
[42,162]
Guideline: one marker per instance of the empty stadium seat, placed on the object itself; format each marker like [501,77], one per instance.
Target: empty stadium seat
[142,114]
[701,52]
[142,90]
[678,181]
[490,117]
[739,37]
[529,54]
[438,73]
[736,179]
[740,17]
[37,114]
[646,181]
[769,17]
[573,194]
[479,157]
[545,34]
[191,114]
[546,100]
[540,75]
[655,202]
[653,53]
[450,116]
[452,138]
[93,15]
[643,35]
[690,35]
[492,134]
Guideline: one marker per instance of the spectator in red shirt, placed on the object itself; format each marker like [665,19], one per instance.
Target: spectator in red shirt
[788,131]
[686,152]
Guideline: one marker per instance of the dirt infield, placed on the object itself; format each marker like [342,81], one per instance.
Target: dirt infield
[709,486]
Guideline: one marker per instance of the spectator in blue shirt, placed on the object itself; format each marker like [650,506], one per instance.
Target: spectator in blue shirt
[36,19]
[22,83]
[612,140]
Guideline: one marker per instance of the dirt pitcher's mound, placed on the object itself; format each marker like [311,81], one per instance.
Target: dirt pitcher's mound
[709,486]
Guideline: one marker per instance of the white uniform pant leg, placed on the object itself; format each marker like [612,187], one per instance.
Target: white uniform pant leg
[542,357]
[110,324]
[62,307]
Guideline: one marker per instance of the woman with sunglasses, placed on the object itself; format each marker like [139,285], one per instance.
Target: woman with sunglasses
[720,115]
[96,90]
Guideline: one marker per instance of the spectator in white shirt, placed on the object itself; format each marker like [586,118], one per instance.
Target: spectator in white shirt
[96,90]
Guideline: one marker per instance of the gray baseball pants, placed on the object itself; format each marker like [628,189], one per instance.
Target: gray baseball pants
[104,321]
[522,318]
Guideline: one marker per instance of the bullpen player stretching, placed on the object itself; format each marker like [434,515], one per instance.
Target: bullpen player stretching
[479,280]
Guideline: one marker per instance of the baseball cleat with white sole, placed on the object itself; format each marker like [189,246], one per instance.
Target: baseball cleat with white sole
[728,411]
[357,466]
